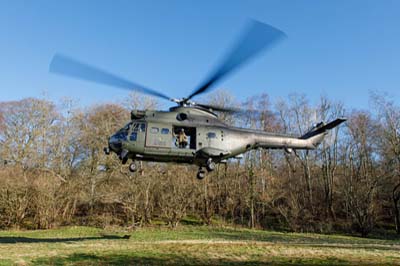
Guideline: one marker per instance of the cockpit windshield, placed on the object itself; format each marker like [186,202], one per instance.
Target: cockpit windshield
[141,127]
[133,127]
[125,129]
[127,126]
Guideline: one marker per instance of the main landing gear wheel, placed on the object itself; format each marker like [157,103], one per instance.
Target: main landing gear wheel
[210,165]
[201,174]
[133,167]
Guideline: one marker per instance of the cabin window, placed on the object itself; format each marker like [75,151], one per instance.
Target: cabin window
[154,130]
[211,135]
[165,131]
[142,127]
[133,136]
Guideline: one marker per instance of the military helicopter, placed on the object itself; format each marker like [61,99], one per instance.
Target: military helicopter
[191,132]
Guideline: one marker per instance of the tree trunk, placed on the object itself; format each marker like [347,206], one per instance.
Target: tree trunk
[396,199]
[252,194]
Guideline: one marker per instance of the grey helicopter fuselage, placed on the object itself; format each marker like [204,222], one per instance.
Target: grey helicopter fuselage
[152,136]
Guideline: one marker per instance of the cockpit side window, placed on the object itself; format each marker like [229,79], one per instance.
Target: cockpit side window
[211,135]
[133,136]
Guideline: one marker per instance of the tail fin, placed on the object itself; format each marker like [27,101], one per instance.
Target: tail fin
[322,128]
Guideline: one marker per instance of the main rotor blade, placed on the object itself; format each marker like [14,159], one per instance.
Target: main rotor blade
[67,66]
[256,37]
[235,111]
[219,108]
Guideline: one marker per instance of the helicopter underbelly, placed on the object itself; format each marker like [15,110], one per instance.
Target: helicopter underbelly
[166,158]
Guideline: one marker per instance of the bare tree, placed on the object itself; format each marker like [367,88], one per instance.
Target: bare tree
[137,101]
[95,126]
[223,98]
[363,175]
[31,133]
[389,117]
[297,117]
[15,195]
[177,192]
[329,152]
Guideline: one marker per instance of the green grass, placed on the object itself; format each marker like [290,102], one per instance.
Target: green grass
[190,245]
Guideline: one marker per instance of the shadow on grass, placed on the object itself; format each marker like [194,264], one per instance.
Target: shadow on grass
[384,235]
[231,234]
[16,239]
[173,259]
[308,241]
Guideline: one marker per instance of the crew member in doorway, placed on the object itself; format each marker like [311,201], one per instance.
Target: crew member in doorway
[182,139]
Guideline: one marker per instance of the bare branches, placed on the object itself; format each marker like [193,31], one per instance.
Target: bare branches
[56,172]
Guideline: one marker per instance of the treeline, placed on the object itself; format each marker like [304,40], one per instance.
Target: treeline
[53,170]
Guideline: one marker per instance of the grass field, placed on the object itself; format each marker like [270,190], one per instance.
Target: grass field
[190,245]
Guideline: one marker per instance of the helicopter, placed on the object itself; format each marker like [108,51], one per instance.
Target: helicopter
[191,132]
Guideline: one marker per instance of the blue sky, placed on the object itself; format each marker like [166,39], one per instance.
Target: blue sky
[341,49]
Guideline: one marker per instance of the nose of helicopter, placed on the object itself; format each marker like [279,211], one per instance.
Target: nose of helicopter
[115,142]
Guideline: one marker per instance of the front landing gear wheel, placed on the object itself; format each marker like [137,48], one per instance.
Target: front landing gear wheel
[133,167]
[201,174]
[210,165]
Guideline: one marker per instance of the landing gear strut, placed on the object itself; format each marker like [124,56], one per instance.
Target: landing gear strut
[201,173]
[124,156]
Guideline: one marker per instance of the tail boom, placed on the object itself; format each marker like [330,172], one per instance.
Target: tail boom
[308,141]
